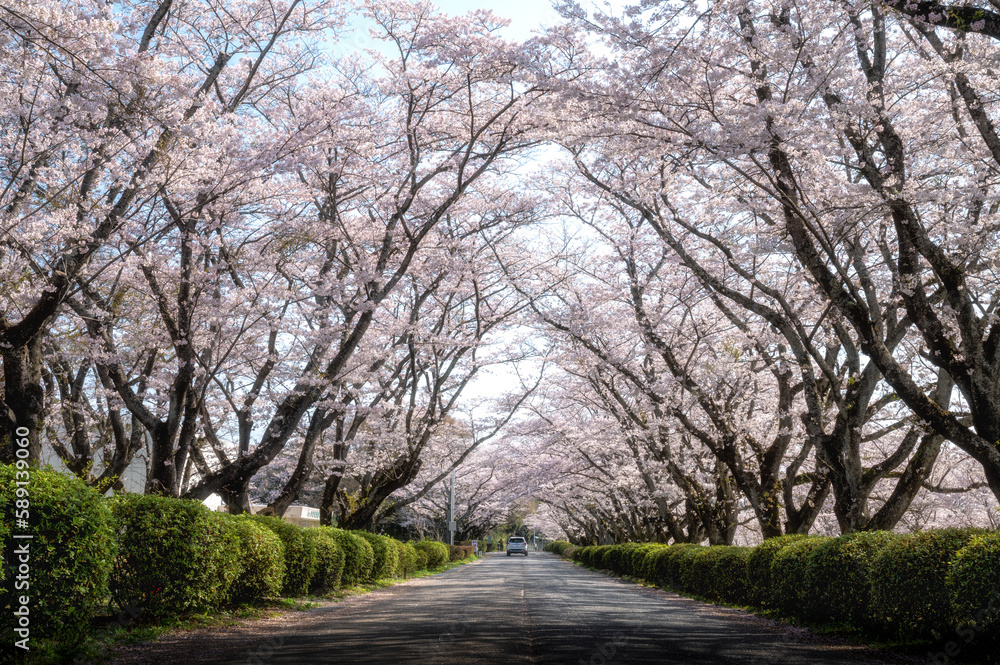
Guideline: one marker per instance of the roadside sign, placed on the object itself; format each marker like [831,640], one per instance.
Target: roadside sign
[475,546]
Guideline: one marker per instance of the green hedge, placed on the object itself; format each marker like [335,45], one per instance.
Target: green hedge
[262,572]
[359,557]
[557,547]
[628,559]
[732,580]
[790,591]
[839,576]
[909,581]
[759,566]
[654,564]
[588,556]
[437,553]
[690,564]
[637,557]
[174,556]
[674,564]
[71,552]
[329,561]
[401,562]
[231,558]
[386,556]
[421,558]
[300,554]
[409,561]
[617,557]
[698,572]
[718,572]
[973,583]
[647,561]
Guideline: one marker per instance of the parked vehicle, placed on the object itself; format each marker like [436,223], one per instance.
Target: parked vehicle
[517,545]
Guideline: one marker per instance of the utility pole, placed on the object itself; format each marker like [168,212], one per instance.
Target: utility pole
[452,527]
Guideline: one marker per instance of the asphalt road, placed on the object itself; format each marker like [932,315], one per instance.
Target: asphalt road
[538,609]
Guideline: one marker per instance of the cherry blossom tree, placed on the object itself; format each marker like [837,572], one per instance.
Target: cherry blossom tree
[273,258]
[104,108]
[739,256]
[489,484]
[661,144]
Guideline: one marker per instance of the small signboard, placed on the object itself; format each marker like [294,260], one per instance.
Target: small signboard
[475,546]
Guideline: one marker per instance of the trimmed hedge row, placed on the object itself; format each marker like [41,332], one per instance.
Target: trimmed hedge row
[174,556]
[73,542]
[916,586]
[300,554]
[557,547]
[437,553]
[459,552]
[842,569]
[359,557]
[386,561]
[157,557]
[329,562]
[263,570]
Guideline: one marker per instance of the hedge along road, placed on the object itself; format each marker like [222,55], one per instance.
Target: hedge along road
[520,610]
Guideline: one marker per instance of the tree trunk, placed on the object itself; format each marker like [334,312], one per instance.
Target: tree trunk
[304,468]
[162,478]
[24,399]
[385,484]
[910,482]
[237,500]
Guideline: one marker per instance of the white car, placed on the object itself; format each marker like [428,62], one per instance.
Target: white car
[517,545]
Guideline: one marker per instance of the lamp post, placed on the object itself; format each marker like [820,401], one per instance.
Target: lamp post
[452,527]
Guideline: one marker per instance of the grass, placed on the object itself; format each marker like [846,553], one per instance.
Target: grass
[110,631]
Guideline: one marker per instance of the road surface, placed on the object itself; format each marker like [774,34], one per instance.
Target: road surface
[530,610]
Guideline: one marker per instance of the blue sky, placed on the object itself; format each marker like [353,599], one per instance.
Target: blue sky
[526,15]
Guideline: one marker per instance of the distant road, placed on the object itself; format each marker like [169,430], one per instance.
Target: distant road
[503,610]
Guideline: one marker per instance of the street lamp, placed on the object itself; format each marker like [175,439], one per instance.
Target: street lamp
[452,526]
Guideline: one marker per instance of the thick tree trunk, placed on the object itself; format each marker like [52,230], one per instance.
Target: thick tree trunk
[802,519]
[912,479]
[23,401]
[237,499]
[162,478]
[332,485]
[319,422]
[363,516]
[850,498]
